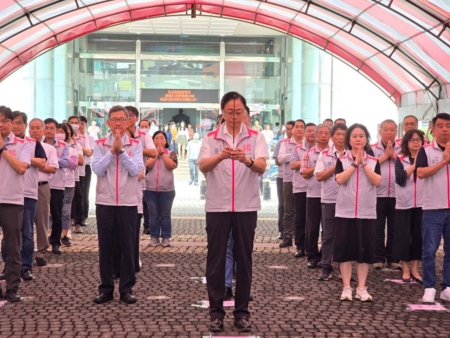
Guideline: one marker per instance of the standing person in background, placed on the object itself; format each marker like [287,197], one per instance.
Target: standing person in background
[358,175]
[257,127]
[117,162]
[282,133]
[193,149]
[268,134]
[324,172]
[144,126]
[328,122]
[340,120]
[289,128]
[386,151]
[232,155]
[87,168]
[432,165]
[174,131]
[160,190]
[93,130]
[37,161]
[409,122]
[169,136]
[276,130]
[15,160]
[182,140]
[57,182]
[36,131]
[153,127]
[313,195]
[284,158]
[78,198]
[191,132]
[408,208]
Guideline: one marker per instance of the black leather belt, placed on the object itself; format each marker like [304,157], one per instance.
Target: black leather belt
[42,183]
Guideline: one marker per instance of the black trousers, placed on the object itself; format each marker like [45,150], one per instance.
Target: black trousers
[218,226]
[280,203]
[313,219]
[77,202]
[146,214]
[119,222]
[118,252]
[56,205]
[408,235]
[385,215]
[86,190]
[300,219]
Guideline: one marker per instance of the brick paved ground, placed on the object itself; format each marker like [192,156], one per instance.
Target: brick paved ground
[58,303]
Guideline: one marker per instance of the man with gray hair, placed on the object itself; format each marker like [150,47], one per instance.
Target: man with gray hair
[313,195]
[193,149]
[36,131]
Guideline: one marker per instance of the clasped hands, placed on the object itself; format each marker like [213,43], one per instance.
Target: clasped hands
[117,144]
[234,154]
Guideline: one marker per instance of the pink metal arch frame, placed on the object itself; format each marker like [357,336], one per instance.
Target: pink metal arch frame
[402,45]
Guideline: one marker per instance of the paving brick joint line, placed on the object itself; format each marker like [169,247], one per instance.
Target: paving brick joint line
[289,301]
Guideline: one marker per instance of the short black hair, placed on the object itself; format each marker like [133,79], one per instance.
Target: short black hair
[277,123]
[414,117]
[340,118]
[300,120]
[404,150]
[165,136]
[83,119]
[133,110]
[117,108]
[349,133]
[291,123]
[441,116]
[144,121]
[50,120]
[24,116]
[7,113]
[232,96]
[328,120]
[73,117]
[247,109]
[339,126]
[310,124]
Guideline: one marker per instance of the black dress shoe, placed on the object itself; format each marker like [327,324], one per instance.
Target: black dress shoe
[12,296]
[103,298]
[416,279]
[41,261]
[216,325]
[56,249]
[281,235]
[286,242]
[312,264]
[228,293]
[243,324]
[146,232]
[26,275]
[1,293]
[300,253]
[128,298]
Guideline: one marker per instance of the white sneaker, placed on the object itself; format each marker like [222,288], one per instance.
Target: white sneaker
[78,229]
[445,295]
[429,295]
[166,242]
[154,241]
[347,293]
[363,295]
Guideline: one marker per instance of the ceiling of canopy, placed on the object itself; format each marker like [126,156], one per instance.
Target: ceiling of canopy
[401,45]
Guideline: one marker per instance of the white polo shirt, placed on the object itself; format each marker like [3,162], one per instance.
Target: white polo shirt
[52,161]
[83,141]
[231,186]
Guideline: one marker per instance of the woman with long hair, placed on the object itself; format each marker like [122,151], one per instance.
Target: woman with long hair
[182,140]
[408,208]
[358,175]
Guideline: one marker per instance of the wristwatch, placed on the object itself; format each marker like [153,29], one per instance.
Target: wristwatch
[354,165]
[251,163]
[1,149]
[121,151]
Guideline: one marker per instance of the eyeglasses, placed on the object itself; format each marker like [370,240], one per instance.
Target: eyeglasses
[5,121]
[121,120]
[413,140]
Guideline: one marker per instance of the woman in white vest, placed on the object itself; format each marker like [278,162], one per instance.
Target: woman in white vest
[408,208]
[160,190]
[358,175]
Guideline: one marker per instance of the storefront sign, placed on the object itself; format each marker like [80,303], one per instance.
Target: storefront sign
[180,95]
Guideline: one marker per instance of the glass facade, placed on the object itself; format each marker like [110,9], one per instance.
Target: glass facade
[282,78]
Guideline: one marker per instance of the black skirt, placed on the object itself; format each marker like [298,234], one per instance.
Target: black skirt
[354,240]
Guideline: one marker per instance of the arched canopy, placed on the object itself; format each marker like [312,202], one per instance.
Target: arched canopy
[402,45]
